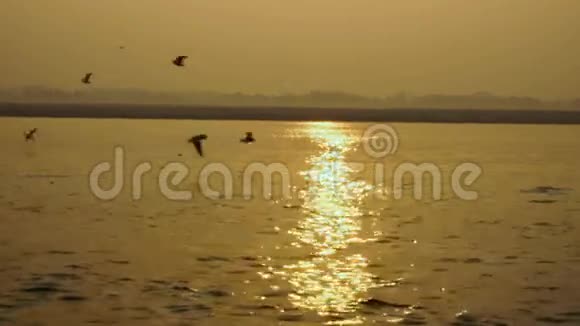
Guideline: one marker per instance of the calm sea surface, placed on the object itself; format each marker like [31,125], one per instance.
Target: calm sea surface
[330,243]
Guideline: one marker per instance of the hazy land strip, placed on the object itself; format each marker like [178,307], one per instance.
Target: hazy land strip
[158,111]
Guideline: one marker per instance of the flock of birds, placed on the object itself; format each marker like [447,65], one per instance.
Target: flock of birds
[198,139]
[30,135]
[179,61]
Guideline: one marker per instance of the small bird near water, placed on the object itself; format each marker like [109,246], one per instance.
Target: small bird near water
[29,135]
[87,78]
[248,139]
[197,142]
[180,60]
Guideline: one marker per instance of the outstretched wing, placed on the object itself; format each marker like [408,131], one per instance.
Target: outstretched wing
[87,78]
[181,59]
[197,145]
[29,135]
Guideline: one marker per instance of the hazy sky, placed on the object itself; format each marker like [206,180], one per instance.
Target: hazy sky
[371,47]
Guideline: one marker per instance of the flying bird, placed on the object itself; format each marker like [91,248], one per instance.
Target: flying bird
[196,141]
[248,139]
[29,135]
[180,60]
[87,78]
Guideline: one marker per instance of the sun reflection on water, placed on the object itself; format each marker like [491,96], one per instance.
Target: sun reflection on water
[333,281]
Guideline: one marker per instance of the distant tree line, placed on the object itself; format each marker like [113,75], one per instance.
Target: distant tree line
[312,99]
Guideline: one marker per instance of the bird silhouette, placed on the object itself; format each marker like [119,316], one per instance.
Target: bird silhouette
[197,141]
[180,60]
[87,78]
[248,139]
[29,135]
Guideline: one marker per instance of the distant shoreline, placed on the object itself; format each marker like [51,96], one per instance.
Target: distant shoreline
[181,112]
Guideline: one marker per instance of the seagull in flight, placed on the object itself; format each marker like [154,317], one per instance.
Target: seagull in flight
[196,141]
[87,78]
[29,135]
[179,61]
[248,139]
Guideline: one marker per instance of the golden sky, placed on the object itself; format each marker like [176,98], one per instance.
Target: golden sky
[370,47]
